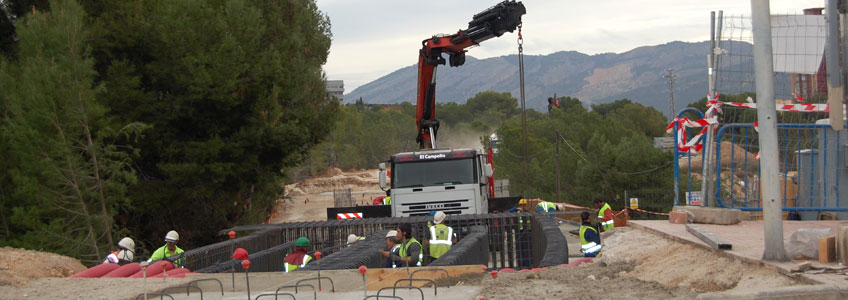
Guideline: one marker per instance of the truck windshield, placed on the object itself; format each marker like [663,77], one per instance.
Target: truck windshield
[432,173]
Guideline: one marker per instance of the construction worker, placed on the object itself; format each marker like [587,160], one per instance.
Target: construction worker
[545,206]
[388,199]
[441,236]
[298,258]
[352,238]
[126,251]
[590,240]
[392,252]
[523,236]
[410,250]
[605,215]
[170,249]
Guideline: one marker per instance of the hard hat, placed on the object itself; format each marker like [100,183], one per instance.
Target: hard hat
[127,243]
[302,242]
[522,201]
[392,233]
[439,217]
[172,236]
[352,238]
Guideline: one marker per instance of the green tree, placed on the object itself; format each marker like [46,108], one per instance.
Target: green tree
[235,93]
[69,170]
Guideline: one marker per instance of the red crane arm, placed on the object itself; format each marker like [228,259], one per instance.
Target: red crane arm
[492,22]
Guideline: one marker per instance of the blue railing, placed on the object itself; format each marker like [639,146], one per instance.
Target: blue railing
[811,160]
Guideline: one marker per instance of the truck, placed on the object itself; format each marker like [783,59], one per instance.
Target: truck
[455,181]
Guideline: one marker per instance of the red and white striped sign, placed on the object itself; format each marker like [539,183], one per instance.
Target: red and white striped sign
[346,216]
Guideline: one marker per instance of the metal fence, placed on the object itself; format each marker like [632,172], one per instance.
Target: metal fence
[812,168]
[514,240]
[210,255]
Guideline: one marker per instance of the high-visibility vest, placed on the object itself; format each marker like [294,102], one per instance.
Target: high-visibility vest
[163,252]
[387,200]
[288,267]
[588,247]
[607,225]
[405,248]
[545,205]
[440,239]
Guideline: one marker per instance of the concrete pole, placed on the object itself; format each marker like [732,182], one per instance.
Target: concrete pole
[706,170]
[557,166]
[834,75]
[767,118]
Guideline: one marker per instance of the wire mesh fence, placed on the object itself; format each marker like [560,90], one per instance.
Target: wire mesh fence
[512,240]
[811,156]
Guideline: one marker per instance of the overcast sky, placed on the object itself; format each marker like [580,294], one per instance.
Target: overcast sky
[372,38]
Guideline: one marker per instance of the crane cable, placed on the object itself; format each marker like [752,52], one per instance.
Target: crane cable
[521,80]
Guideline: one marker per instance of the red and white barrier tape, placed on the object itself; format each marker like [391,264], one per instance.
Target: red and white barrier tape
[714,104]
[346,216]
[693,145]
[648,212]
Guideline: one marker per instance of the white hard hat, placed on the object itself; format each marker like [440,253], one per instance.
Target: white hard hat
[439,217]
[392,233]
[127,243]
[352,238]
[172,236]
[125,255]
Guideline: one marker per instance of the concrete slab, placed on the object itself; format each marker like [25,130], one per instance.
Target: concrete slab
[748,242]
[712,215]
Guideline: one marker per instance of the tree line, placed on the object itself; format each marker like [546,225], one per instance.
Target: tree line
[132,118]
[604,148]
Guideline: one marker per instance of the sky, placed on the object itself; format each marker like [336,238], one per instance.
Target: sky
[372,38]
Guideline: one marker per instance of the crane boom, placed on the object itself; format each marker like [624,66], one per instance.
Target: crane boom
[492,22]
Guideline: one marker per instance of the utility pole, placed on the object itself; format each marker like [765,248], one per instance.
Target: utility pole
[707,183]
[767,118]
[557,166]
[670,79]
[834,75]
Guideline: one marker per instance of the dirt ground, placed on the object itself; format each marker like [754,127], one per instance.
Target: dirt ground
[19,266]
[588,281]
[637,265]
[308,200]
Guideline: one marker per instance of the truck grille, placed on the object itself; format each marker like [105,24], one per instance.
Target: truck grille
[449,207]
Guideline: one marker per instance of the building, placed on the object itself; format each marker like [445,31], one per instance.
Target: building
[336,88]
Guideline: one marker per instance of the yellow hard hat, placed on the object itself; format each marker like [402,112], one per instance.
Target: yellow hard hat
[522,201]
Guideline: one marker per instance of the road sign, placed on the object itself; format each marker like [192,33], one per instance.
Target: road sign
[693,198]
[634,203]
[666,142]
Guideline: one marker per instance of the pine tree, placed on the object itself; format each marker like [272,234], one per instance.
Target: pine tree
[69,173]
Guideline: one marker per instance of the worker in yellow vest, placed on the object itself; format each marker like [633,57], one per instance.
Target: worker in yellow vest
[441,236]
[410,249]
[605,215]
[590,240]
[298,258]
[388,199]
[169,250]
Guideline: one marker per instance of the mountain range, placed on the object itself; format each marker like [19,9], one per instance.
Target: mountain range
[636,75]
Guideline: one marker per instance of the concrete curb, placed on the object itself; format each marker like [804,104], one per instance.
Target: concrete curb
[800,292]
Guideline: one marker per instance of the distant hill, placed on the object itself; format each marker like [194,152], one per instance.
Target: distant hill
[636,74]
